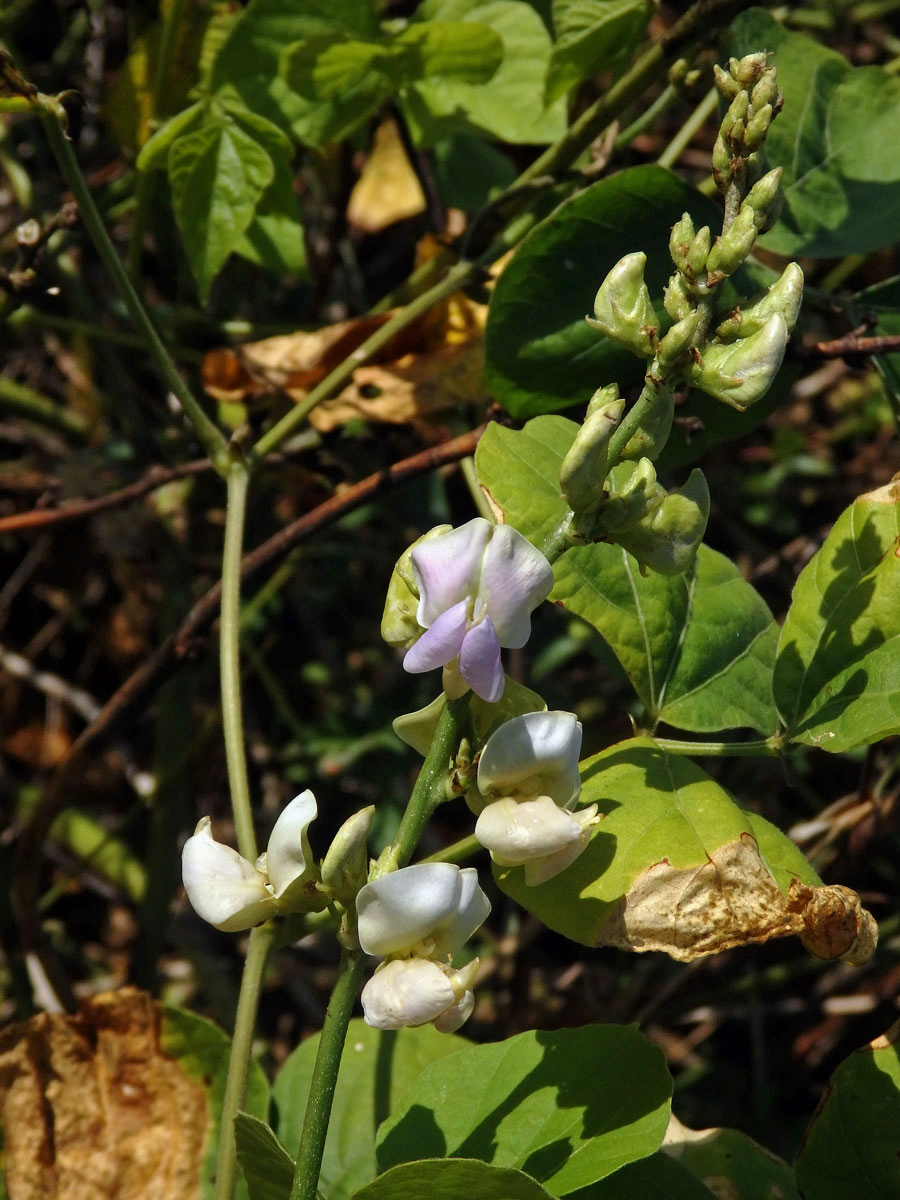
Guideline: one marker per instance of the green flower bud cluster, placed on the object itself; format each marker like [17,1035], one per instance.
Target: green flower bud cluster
[750,86]
[622,307]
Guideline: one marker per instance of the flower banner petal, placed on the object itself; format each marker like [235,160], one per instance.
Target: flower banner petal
[515,579]
[447,568]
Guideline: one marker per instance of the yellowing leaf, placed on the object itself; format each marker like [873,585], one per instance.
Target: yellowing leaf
[388,189]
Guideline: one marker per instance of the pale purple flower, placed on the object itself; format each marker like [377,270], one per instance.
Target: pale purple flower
[478,586]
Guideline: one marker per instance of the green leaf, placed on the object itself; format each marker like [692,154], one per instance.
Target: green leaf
[375,1070]
[464,51]
[658,1177]
[729,1161]
[540,354]
[837,671]
[698,647]
[591,36]
[339,83]
[248,63]
[218,175]
[511,108]
[674,865]
[835,139]
[267,1166]
[155,153]
[532,1102]
[470,172]
[202,1050]
[452,1179]
[851,1150]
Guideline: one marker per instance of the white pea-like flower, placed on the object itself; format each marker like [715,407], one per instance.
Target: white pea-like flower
[232,893]
[416,919]
[478,586]
[528,773]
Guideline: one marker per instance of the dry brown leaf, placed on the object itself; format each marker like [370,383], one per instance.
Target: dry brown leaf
[434,364]
[38,744]
[92,1110]
[732,900]
[388,189]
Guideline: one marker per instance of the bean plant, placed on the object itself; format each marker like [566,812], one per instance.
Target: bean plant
[598,517]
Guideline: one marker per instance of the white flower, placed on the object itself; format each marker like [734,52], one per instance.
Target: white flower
[478,586]
[528,772]
[229,891]
[417,918]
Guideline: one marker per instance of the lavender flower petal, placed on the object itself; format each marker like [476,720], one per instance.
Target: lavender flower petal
[479,661]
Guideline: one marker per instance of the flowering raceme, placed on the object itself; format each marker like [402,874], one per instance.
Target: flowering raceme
[528,773]
[477,586]
[232,893]
[416,918]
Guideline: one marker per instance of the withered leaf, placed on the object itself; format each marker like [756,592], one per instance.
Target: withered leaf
[677,866]
[92,1109]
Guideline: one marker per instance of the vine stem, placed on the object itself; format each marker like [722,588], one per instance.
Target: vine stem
[238,480]
[324,1076]
[655,392]
[239,1062]
[212,438]
[763,748]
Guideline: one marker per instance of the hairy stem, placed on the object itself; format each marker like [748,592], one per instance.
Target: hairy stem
[238,479]
[211,437]
[239,1062]
[324,1076]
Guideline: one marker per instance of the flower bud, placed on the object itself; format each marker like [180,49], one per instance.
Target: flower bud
[583,469]
[728,86]
[633,494]
[667,539]
[676,298]
[622,308]
[697,255]
[765,91]
[412,992]
[758,127]
[740,373]
[345,866]
[680,241]
[732,248]
[602,397]
[649,440]
[678,340]
[765,199]
[784,297]
[734,121]
[748,70]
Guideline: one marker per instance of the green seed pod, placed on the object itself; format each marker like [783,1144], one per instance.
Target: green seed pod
[345,866]
[678,340]
[583,469]
[667,539]
[740,373]
[622,308]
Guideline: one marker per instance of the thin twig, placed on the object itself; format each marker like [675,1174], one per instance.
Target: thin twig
[165,659]
[850,346]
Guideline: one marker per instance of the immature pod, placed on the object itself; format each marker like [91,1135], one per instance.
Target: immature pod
[622,308]
[740,373]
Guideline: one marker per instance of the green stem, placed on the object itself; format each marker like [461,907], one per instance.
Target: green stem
[430,788]
[324,1075]
[238,479]
[456,852]
[764,748]
[452,281]
[31,404]
[656,392]
[692,125]
[213,440]
[239,1062]
[646,119]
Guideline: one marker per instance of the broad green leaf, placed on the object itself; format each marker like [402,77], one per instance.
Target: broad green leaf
[511,107]
[699,648]
[591,36]
[851,1150]
[203,1050]
[452,1179]
[464,51]
[155,153]
[540,354]
[375,1069]
[268,1168]
[658,1177]
[532,1102]
[674,865]
[338,82]
[470,172]
[218,175]
[248,63]
[835,140]
[100,851]
[837,671]
[729,1161]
